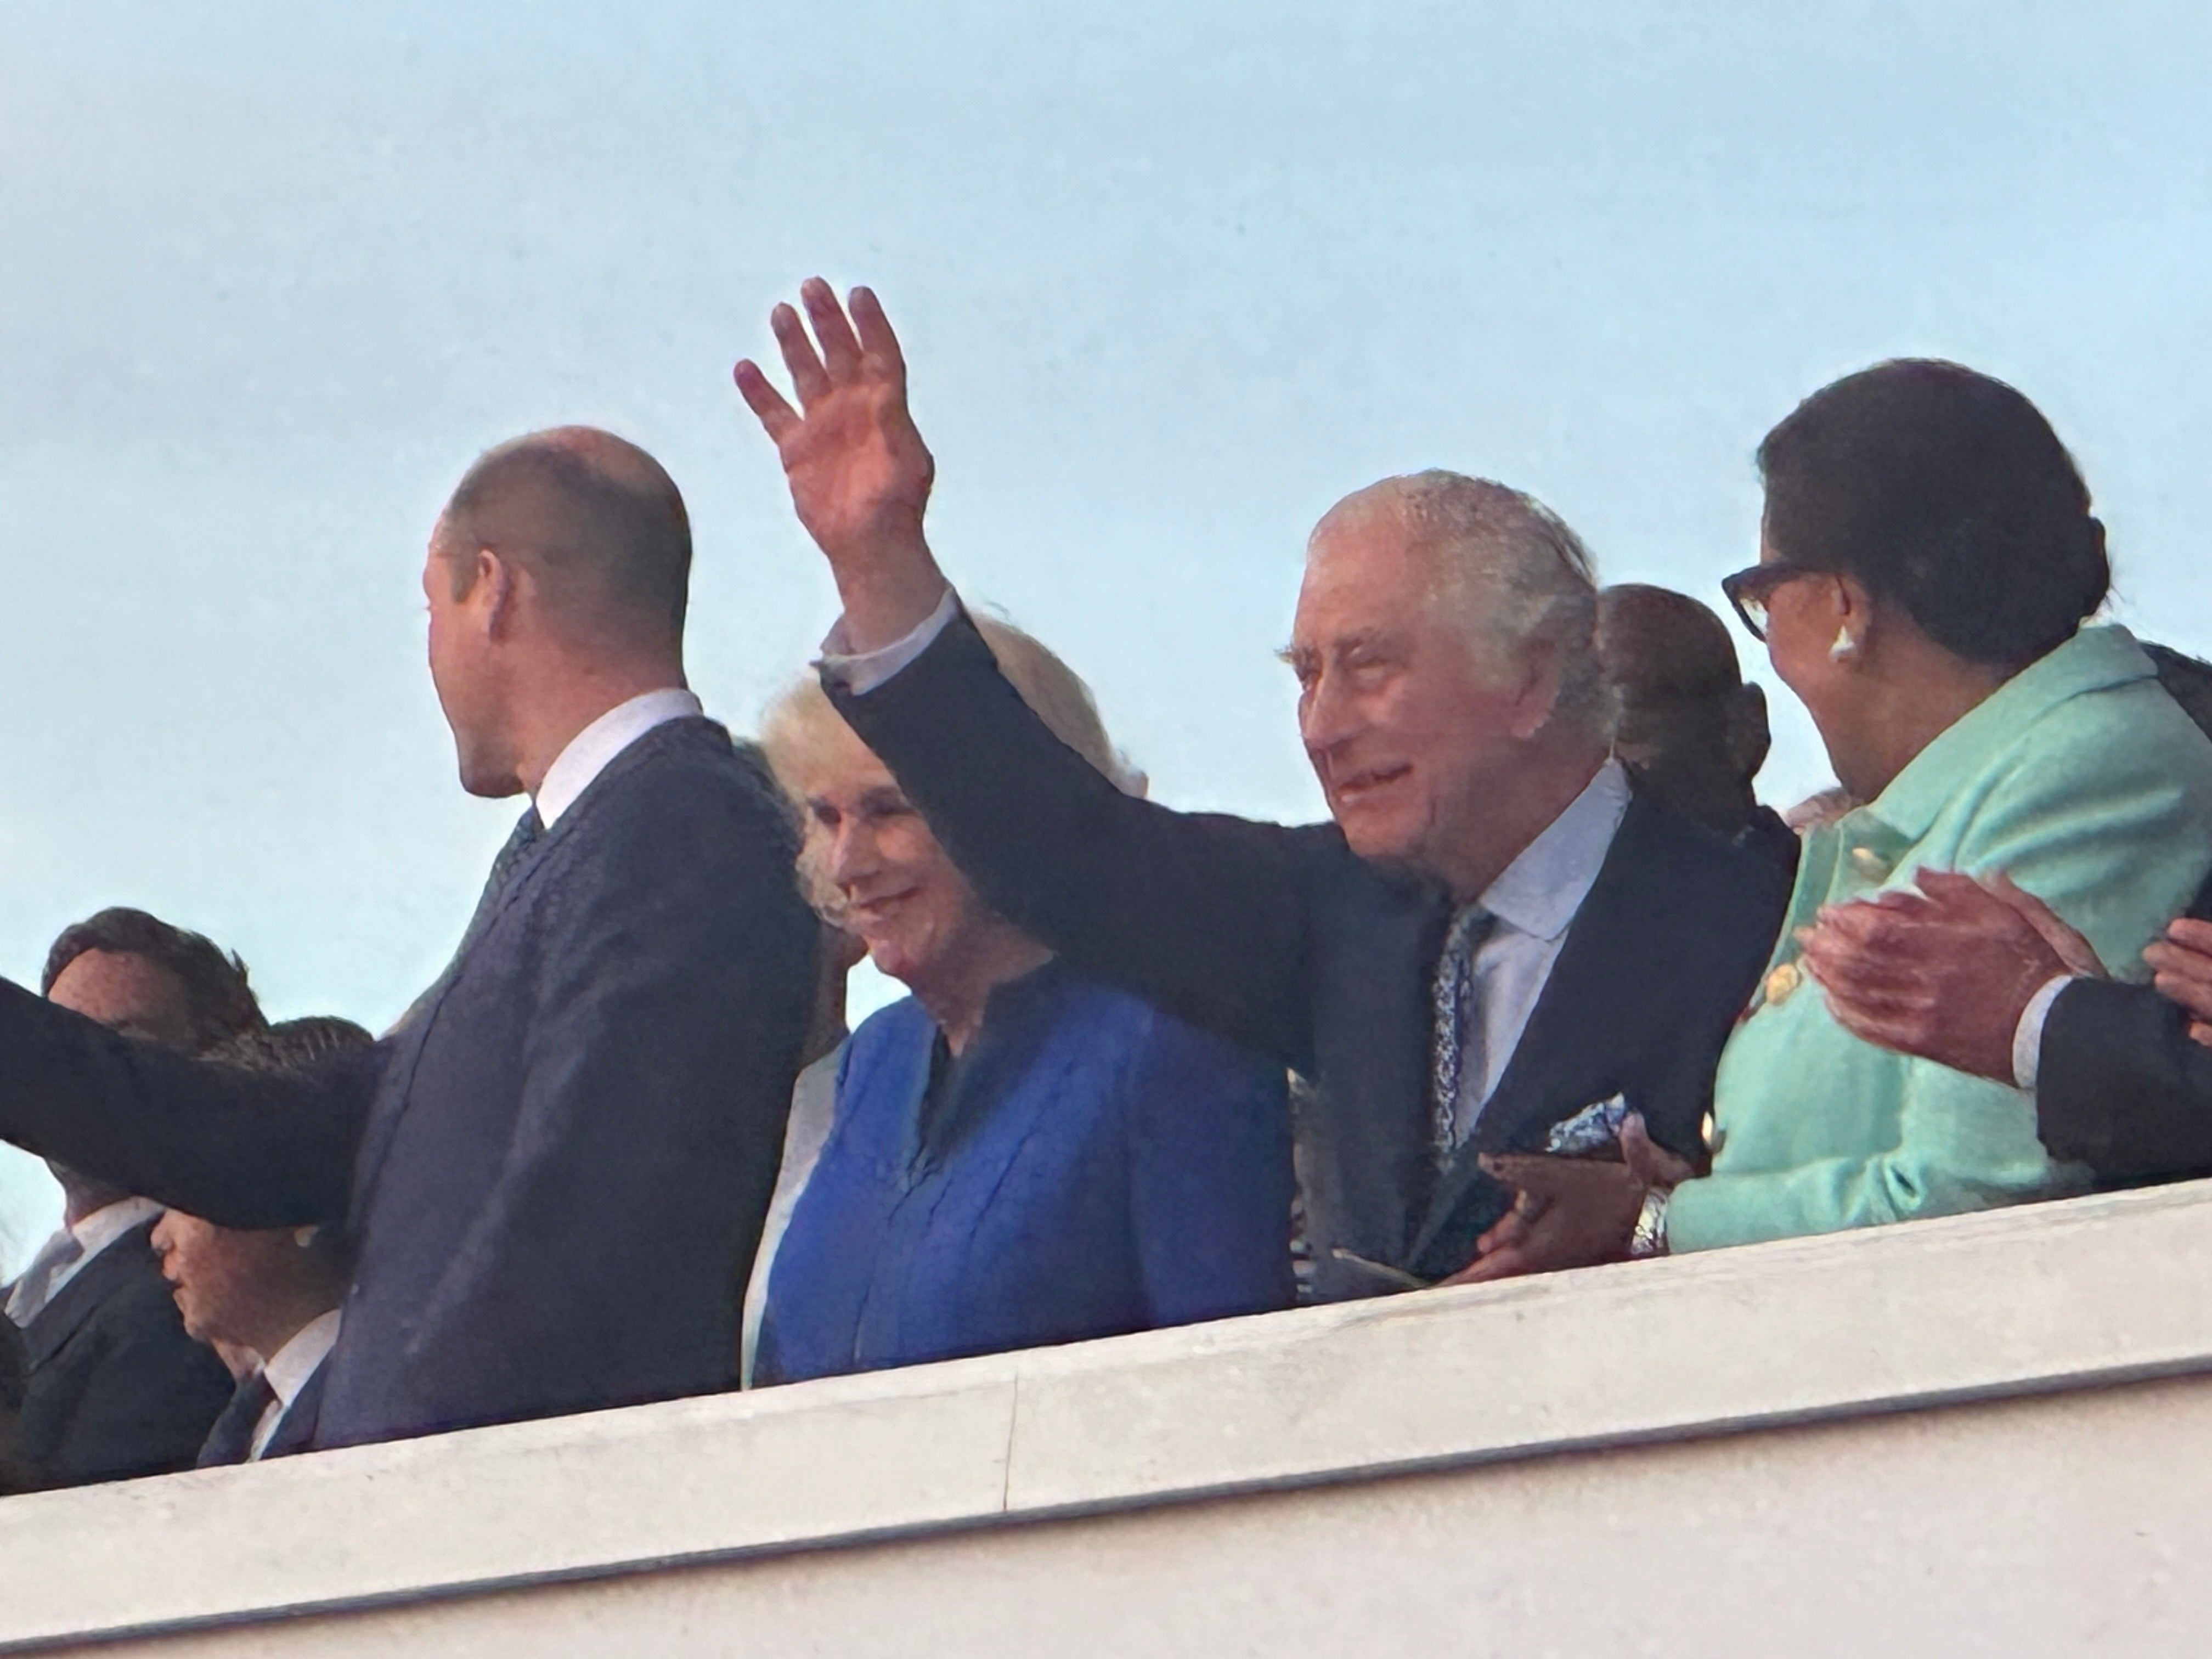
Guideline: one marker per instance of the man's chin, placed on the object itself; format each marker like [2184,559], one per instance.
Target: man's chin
[1377,837]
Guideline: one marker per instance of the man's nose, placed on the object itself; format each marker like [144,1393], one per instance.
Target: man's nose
[1327,718]
[852,852]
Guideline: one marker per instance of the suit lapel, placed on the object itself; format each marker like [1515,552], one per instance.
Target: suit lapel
[76,1301]
[1572,1052]
[391,1099]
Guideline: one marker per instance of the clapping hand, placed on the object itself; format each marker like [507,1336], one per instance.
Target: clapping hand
[2181,966]
[859,471]
[1943,972]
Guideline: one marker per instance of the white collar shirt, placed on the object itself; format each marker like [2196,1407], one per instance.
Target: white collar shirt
[1535,900]
[590,750]
[287,1370]
[92,1233]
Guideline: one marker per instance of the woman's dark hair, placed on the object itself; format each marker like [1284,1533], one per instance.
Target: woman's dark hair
[1946,493]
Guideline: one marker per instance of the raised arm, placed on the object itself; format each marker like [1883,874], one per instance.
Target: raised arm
[241,1148]
[1206,916]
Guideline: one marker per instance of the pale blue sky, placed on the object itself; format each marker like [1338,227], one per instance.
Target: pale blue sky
[1172,278]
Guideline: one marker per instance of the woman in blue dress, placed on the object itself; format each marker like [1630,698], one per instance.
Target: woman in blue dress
[1020,1155]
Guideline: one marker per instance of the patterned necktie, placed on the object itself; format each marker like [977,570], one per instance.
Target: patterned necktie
[527,829]
[29,1299]
[1456,1034]
[231,1439]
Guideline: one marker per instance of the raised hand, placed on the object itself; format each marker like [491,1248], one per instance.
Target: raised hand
[859,471]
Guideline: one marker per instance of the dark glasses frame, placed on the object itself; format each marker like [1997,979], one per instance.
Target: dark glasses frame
[1749,590]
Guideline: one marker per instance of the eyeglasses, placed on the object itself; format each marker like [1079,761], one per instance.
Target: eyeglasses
[1748,591]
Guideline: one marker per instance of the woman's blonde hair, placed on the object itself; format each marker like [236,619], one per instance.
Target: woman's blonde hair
[802,723]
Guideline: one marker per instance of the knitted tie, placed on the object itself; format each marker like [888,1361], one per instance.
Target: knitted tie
[231,1439]
[527,829]
[1456,1034]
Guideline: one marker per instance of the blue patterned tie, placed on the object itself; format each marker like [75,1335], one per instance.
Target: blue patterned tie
[1454,1032]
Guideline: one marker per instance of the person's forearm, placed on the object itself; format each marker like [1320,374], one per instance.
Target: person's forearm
[2121,1086]
[887,593]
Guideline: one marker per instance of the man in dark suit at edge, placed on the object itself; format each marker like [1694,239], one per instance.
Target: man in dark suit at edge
[553,1171]
[115,1386]
[1495,936]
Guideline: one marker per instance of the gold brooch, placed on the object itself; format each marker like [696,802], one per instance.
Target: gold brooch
[1781,982]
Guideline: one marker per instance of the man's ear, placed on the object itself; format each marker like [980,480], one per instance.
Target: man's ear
[493,593]
[1746,731]
[1536,695]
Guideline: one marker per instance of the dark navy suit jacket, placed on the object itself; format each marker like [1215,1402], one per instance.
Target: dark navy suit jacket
[554,1175]
[1089,1167]
[1286,942]
[113,1388]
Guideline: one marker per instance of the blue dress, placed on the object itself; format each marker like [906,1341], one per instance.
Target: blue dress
[1090,1166]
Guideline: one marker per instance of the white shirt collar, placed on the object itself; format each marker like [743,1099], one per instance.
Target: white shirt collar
[96,1232]
[289,1369]
[1539,893]
[591,749]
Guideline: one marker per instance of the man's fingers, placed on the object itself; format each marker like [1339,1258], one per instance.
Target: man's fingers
[878,344]
[2192,993]
[2190,934]
[841,348]
[1503,1264]
[808,378]
[2072,948]
[2199,1032]
[776,417]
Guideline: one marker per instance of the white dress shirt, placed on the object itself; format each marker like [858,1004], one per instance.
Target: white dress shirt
[92,1234]
[2027,1036]
[1534,901]
[287,1370]
[591,749]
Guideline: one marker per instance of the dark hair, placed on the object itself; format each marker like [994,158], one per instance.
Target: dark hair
[1948,493]
[598,521]
[219,1004]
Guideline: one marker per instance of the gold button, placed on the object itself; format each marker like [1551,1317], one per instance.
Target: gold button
[1869,864]
[1781,982]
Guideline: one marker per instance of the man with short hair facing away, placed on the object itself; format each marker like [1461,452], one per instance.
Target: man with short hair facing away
[1691,730]
[114,1385]
[552,1172]
[1496,936]
[272,1297]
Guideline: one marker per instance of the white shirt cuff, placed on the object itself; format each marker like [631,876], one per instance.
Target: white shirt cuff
[2027,1036]
[861,672]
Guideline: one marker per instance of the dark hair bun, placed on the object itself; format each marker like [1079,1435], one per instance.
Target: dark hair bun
[1946,493]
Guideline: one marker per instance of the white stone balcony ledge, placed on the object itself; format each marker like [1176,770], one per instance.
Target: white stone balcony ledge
[1990,1433]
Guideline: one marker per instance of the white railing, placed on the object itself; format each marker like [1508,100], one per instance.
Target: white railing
[1987,1434]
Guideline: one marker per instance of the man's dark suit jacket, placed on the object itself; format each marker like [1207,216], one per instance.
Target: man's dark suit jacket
[1286,941]
[2121,1086]
[113,1388]
[553,1176]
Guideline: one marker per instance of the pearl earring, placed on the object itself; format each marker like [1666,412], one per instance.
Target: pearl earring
[304,1237]
[1845,645]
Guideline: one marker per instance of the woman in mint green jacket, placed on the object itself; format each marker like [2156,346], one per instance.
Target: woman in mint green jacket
[1926,561]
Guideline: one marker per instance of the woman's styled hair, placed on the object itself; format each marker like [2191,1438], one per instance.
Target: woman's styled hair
[1948,495]
[802,723]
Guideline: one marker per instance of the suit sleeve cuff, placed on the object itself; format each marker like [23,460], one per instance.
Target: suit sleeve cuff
[2027,1036]
[861,672]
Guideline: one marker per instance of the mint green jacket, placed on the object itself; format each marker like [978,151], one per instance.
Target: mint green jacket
[2086,781]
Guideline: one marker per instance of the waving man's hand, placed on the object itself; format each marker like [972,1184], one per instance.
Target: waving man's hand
[859,471]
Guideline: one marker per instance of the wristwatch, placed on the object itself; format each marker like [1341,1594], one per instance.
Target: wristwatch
[1649,1238]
